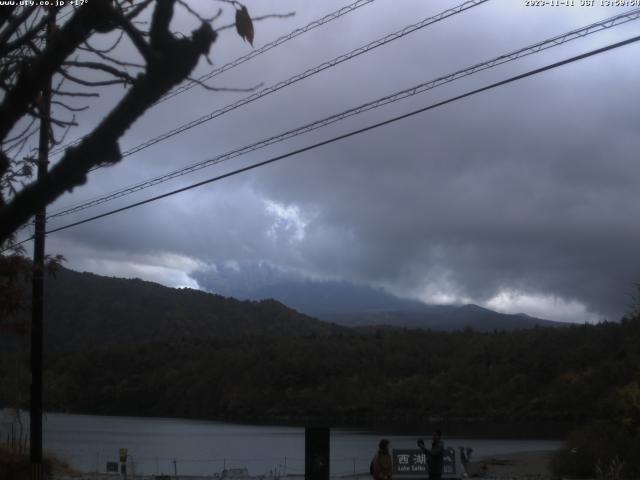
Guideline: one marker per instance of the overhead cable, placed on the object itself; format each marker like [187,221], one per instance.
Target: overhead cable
[306,74]
[355,132]
[423,87]
[254,53]
[279,41]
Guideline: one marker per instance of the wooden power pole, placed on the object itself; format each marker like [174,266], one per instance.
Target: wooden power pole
[37,299]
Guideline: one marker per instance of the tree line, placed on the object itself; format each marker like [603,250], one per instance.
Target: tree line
[385,374]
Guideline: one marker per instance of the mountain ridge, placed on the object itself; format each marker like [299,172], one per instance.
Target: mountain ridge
[84,308]
[351,304]
[88,310]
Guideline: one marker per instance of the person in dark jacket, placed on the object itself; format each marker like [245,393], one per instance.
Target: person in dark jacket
[381,464]
[434,455]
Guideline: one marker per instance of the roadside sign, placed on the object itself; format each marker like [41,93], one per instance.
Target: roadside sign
[407,461]
[123,455]
[413,462]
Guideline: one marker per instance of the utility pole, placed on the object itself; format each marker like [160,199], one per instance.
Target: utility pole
[37,299]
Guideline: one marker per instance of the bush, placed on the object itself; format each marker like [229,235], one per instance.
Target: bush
[599,450]
[15,465]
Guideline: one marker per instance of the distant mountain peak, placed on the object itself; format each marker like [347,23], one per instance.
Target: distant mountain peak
[351,304]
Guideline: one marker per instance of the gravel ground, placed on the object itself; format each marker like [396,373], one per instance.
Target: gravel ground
[517,466]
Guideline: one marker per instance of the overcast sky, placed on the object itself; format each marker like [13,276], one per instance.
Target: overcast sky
[520,199]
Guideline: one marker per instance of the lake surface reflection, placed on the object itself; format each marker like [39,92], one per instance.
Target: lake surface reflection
[197,447]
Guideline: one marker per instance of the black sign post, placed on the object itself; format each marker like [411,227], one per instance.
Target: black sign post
[123,461]
[316,453]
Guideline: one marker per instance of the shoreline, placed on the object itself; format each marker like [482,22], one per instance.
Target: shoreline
[518,466]
[468,427]
[532,465]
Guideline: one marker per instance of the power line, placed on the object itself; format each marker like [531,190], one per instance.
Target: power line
[423,87]
[341,137]
[331,63]
[358,131]
[254,53]
[306,74]
[285,38]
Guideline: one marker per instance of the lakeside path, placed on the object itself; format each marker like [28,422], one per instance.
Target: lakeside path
[517,466]
[514,466]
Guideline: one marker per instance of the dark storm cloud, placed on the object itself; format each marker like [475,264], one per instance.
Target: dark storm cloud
[501,192]
[528,190]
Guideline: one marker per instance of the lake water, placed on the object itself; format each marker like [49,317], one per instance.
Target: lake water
[197,447]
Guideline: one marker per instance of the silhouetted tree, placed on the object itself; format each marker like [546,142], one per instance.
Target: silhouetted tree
[35,50]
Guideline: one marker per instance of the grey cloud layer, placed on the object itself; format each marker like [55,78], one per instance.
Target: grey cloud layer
[531,187]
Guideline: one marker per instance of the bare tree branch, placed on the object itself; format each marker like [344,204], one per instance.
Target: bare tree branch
[103,67]
[115,61]
[109,49]
[186,6]
[63,93]
[68,107]
[226,89]
[26,38]
[137,9]
[171,61]
[32,78]
[13,24]
[33,59]
[16,137]
[92,83]
[136,37]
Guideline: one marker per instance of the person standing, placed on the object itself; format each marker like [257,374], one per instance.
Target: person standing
[381,465]
[435,455]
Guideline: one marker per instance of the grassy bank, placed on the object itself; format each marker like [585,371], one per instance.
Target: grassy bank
[15,465]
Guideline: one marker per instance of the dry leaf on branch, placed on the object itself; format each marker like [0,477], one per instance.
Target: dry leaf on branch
[244,25]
